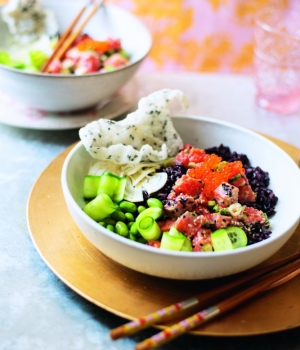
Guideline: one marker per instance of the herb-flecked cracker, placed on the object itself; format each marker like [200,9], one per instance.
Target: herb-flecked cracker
[146,135]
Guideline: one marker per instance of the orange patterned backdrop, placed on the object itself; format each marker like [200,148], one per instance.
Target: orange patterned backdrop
[200,35]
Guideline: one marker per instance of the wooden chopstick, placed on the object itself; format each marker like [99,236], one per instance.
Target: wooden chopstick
[207,297]
[63,37]
[191,322]
[68,37]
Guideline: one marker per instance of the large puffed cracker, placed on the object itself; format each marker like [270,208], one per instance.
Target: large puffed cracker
[146,135]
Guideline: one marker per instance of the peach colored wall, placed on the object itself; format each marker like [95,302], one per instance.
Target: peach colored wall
[200,35]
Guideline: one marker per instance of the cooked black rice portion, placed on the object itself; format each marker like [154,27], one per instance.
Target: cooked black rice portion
[174,173]
[227,155]
[259,179]
[257,233]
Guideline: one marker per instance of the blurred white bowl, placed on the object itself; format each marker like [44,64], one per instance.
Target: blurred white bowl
[203,133]
[69,92]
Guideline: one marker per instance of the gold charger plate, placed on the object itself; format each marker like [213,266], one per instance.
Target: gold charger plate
[130,294]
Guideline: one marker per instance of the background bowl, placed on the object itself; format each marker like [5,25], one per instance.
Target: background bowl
[69,92]
[203,133]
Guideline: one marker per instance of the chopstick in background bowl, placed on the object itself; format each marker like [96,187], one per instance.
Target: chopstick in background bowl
[243,288]
[69,36]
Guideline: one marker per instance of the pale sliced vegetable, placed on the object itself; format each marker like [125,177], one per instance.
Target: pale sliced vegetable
[90,186]
[100,207]
[153,212]
[220,240]
[228,238]
[140,177]
[237,236]
[150,184]
[175,240]
[149,228]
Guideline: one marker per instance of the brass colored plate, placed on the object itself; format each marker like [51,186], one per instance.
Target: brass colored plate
[130,294]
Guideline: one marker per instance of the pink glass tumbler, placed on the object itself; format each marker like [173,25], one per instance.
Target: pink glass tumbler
[277,60]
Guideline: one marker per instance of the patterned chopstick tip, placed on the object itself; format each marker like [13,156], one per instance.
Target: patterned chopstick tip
[174,331]
[143,322]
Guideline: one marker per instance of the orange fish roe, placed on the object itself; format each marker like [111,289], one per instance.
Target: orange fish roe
[213,171]
[90,44]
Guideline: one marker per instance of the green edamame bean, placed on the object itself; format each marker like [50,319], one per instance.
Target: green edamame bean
[129,217]
[102,223]
[141,240]
[110,228]
[133,229]
[129,224]
[132,237]
[154,202]
[109,221]
[127,207]
[141,208]
[118,215]
[122,229]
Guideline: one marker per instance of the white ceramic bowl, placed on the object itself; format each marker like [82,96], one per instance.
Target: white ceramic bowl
[70,92]
[201,132]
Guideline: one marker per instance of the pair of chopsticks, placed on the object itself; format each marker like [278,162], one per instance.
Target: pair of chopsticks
[69,36]
[267,277]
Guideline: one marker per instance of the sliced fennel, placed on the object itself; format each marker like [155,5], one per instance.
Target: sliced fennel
[140,177]
[151,184]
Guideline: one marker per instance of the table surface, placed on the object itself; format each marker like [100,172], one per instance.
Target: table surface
[37,311]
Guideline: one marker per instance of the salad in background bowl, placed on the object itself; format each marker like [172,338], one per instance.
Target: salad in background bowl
[201,257]
[119,42]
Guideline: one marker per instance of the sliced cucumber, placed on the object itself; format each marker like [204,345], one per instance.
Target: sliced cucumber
[187,245]
[149,229]
[220,240]
[172,240]
[90,186]
[100,207]
[228,238]
[153,212]
[108,183]
[207,248]
[237,236]
[119,190]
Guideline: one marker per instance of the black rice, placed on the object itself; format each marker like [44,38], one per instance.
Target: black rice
[174,173]
[225,153]
[259,181]
[257,233]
